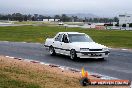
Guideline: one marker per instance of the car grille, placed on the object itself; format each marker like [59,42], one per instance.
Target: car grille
[92,54]
[95,49]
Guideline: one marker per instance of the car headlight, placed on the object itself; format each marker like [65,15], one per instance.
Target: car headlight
[84,49]
[105,49]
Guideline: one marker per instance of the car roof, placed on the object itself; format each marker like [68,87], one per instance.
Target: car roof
[70,33]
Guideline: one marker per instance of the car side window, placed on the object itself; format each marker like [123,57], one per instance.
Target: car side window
[58,38]
[65,39]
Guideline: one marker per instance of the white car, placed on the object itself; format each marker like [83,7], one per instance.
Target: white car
[60,23]
[76,45]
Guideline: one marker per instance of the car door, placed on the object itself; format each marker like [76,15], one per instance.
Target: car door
[57,43]
[65,45]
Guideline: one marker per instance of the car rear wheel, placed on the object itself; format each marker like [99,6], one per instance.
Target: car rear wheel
[73,54]
[52,51]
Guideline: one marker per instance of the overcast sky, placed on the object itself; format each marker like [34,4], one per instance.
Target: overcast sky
[97,7]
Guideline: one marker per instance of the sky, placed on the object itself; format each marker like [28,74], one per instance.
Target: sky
[104,8]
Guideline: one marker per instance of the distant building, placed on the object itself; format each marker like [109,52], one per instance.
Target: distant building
[56,20]
[45,20]
[125,19]
[100,26]
[51,20]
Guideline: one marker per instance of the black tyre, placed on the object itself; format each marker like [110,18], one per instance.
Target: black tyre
[52,51]
[73,55]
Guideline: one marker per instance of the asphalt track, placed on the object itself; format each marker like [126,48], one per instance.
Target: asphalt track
[118,64]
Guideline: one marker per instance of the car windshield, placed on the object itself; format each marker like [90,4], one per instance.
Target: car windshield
[79,38]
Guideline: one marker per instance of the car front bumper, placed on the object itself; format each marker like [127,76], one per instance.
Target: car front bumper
[92,54]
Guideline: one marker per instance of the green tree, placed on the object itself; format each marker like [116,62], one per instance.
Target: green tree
[116,19]
[57,17]
[65,18]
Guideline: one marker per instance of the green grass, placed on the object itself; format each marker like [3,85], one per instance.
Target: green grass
[112,38]
[7,82]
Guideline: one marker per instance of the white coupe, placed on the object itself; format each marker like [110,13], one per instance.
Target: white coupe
[76,45]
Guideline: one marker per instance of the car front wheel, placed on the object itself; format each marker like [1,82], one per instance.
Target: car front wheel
[73,54]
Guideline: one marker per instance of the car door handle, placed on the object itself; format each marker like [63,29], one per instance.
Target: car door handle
[53,42]
[61,43]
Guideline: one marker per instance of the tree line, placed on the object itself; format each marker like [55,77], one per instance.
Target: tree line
[65,18]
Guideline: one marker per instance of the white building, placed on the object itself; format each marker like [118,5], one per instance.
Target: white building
[51,20]
[45,20]
[125,19]
[57,20]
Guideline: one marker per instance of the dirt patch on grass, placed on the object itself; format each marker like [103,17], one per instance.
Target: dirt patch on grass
[22,74]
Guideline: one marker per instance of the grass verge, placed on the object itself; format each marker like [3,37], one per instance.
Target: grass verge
[21,74]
